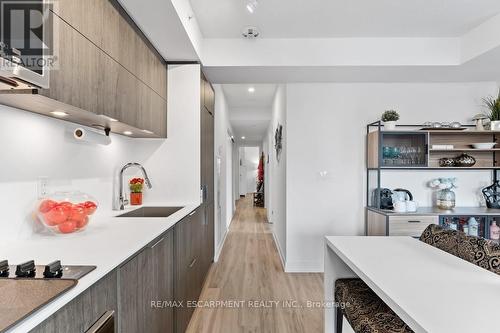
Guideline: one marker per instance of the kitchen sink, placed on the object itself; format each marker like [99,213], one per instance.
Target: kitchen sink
[152,212]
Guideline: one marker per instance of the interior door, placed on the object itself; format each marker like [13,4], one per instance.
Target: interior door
[243,180]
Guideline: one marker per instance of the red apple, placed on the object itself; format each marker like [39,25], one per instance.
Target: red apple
[67,227]
[46,205]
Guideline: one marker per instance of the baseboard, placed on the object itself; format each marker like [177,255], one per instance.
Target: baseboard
[280,253]
[304,267]
[221,246]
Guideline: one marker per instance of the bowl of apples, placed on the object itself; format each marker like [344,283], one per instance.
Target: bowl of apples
[66,212]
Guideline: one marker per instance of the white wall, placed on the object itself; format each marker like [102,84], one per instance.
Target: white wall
[252,165]
[34,146]
[326,132]
[277,173]
[224,198]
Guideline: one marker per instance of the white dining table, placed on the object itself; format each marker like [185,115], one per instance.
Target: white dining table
[429,289]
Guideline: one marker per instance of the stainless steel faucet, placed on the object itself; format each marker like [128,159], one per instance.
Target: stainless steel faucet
[121,200]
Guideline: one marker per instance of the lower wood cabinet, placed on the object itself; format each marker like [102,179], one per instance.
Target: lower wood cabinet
[143,289]
[398,225]
[82,312]
[207,226]
[145,283]
[189,275]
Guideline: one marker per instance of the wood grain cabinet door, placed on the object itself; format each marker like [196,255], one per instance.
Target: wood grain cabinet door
[209,98]
[188,261]
[207,225]
[83,311]
[74,79]
[100,298]
[67,319]
[144,281]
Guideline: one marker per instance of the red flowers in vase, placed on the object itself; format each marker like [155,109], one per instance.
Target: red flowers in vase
[136,185]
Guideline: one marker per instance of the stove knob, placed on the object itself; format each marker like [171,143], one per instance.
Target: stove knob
[26,269]
[4,268]
[53,270]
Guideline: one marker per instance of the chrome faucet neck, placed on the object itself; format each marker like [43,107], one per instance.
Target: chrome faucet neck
[121,196]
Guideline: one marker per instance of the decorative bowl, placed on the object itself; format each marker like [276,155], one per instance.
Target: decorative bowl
[447,162]
[66,212]
[484,145]
[465,160]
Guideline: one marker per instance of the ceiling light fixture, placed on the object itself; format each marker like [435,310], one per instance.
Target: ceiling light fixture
[251,90]
[128,133]
[243,138]
[147,131]
[252,6]
[59,113]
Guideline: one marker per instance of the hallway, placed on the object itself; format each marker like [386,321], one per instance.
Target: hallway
[259,295]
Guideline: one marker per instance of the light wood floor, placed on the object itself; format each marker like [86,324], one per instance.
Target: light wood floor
[249,269]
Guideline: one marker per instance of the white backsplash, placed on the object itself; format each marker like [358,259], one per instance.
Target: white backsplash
[468,191]
[35,146]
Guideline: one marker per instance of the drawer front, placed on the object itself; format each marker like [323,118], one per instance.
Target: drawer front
[410,225]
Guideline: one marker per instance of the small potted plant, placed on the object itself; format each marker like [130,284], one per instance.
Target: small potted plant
[136,185]
[390,117]
[493,106]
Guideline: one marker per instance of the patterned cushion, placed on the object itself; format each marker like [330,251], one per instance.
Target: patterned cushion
[481,252]
[444,239]
[364,310]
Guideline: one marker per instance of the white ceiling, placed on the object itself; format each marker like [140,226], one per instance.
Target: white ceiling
[249,113]
[237,95]
[344,18]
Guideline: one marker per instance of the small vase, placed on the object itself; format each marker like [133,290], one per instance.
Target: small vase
[495,125]
[445,199]
[389,125]
[135,199]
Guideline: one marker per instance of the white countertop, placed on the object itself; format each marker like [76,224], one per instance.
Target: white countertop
[431,290]
[106,243]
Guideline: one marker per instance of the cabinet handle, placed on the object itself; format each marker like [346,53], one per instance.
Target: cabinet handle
[105,323]
[192,263]
[192,213]
[414,221]
[158,242]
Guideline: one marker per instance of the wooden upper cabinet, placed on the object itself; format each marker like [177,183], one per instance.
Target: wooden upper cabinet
[105,66]
[73,81]
[105,24]
[121,96]
[209,97]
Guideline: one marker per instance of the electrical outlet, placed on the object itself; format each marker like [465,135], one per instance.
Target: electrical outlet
[42,187]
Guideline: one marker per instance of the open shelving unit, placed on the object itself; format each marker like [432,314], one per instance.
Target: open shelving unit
[422,157]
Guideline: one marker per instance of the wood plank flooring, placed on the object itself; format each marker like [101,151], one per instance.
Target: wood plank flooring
[249,269]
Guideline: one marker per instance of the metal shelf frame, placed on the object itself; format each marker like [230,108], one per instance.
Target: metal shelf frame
[378,126]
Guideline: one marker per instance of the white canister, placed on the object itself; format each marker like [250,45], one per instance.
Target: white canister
[400,207]
[389,125]
[411,206]
[495,125]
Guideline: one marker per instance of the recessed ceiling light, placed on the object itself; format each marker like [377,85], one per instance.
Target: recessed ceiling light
[252,6]
[251,90]
[147,131]
[59,113]
[128,133]
[243,138]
